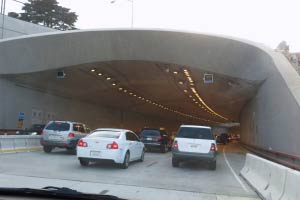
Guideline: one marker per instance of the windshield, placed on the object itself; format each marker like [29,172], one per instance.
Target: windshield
[195,133]
[150,133]
[58,126]
[151,99]
[105,134]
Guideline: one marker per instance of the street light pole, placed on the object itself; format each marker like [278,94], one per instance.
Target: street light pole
[3,3]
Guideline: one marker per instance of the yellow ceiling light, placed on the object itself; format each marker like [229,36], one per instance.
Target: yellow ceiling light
[114,83]
[120,88]
[99,74]
[108,78]
[175,72]
[125,91]
[93,70]
[130,93]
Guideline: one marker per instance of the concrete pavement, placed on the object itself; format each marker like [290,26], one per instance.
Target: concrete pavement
[154,177]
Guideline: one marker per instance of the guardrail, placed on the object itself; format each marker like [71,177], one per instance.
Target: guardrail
[13,143]
[288,160]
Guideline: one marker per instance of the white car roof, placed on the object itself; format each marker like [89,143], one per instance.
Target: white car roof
[195,126]
[113,129]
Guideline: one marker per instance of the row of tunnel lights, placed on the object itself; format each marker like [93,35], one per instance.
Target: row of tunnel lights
[202,103]
[141,98]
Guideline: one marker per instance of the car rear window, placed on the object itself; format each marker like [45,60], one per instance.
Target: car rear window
[58,126]
[105,134]
[150,133]
[195,133]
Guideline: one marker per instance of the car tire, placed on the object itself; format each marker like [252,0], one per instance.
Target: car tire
[47,149]
[142,156]
[84,162]
[213,165]
[175,162]
[125,163]
[164,148]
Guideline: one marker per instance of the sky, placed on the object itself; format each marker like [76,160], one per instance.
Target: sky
[263,21]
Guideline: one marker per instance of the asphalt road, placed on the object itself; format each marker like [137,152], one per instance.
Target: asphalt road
[154,178]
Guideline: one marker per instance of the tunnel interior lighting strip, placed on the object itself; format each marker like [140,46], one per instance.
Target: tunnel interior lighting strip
[195,92]
[133,94]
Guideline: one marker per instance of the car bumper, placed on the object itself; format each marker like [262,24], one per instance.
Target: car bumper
[152,145]
[62,144]
[117,156]
[211,156]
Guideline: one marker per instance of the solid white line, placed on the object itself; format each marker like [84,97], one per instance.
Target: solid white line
[233,172]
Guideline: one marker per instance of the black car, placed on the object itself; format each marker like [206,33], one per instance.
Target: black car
[155,139]
[35,129]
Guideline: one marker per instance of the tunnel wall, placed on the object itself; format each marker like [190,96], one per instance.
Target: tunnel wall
[15,99]
[272,118]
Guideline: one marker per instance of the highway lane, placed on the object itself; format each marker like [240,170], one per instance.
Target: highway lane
[155,175]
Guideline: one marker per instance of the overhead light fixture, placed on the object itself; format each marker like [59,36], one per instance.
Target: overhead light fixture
[185,91]
[175,72]
[134,95]
[130,93]
[114,83]
[99,74]
[125,91]
[108,78]
[180,82]
[120,88]
[93,70]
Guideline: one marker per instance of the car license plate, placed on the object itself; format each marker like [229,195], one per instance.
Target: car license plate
[149,139]
[54,137]
[194,145]
[95,153]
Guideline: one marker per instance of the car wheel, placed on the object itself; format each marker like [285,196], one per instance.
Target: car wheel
[84,162]
[142,156]
[125,163]
[47,149]
[164,148]
[175,162]
[213,165]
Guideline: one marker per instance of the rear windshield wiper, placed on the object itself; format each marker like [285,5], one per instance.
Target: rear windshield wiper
[54,192]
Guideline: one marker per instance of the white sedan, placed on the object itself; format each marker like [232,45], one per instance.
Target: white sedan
[117,145]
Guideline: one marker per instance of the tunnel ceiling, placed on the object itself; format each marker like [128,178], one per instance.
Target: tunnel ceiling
[162,90]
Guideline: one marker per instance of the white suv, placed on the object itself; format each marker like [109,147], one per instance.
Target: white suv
[194,143]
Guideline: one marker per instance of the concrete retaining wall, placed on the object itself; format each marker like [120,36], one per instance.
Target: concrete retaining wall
[19,143]
[14,27]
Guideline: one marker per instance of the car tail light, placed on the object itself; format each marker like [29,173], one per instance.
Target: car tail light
[81,143]
[175,145]
[213,147]
[113,145]
[71,135]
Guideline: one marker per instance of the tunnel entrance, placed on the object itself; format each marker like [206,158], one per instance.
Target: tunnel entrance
[165,91]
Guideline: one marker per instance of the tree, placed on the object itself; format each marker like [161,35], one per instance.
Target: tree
[48,13]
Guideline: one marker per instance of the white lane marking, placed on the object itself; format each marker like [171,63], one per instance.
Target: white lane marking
[233,172]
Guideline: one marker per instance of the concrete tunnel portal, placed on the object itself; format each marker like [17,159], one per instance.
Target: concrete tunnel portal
[137,78]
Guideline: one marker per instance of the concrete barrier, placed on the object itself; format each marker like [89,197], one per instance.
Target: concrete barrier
[292,183]
[13,143]
[276,183]
[266,177]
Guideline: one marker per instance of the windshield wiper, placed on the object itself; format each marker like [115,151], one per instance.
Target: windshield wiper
[54,192]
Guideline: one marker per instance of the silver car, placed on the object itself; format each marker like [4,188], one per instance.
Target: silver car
[62,134]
